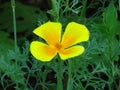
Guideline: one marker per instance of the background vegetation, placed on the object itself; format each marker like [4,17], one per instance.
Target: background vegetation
[97,69]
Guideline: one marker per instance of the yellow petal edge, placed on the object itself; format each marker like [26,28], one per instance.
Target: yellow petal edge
[42,51]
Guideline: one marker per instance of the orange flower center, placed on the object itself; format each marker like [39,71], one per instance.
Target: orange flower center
[58,46]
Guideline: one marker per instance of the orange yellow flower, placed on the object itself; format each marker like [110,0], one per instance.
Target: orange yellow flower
[51,33]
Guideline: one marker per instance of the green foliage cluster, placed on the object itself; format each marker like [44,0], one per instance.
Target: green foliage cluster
[97,69]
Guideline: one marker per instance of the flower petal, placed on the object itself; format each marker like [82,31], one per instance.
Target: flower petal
[42,51]
[74,34]
[71,52]
[50,32]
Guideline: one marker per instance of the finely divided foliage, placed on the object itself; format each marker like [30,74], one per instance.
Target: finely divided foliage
[76,45]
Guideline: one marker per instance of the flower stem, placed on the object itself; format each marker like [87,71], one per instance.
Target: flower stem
[119,5]
[82,15]
[59,75]
[14,23]
[55,9]
[69,83]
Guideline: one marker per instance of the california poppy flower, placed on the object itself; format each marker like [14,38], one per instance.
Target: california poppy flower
[64,45]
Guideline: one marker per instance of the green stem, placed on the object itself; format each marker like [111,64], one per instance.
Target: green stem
[14,23]
[69,83]
[82,15]
[55,9]
[59,75]
[44,77]
[119,5]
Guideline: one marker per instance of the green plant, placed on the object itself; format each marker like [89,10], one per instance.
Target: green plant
[96,69]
